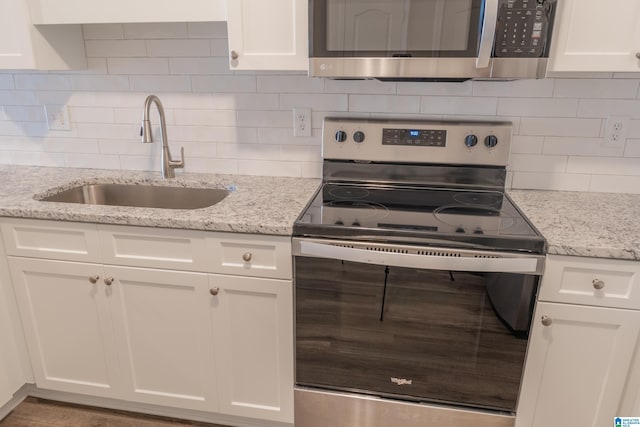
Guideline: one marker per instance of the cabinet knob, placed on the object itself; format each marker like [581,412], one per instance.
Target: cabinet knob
[598,284]
[247,256]
[94,279]
[234,55]
[638,55]
[214,291]
[546,320]
[108,281]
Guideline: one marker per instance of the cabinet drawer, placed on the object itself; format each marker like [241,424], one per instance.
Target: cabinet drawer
[153,247]
[51,239]
[250,255]
[591,281]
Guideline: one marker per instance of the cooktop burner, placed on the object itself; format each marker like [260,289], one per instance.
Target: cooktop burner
[392,212]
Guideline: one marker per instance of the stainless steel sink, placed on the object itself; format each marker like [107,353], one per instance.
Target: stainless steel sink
[140,195]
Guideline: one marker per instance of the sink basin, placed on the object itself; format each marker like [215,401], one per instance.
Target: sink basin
[143,196]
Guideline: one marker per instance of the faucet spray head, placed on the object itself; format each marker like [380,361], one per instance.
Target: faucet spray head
[145,131]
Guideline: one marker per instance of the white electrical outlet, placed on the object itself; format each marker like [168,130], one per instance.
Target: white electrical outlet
[616,131]
[301,122]
[57,117]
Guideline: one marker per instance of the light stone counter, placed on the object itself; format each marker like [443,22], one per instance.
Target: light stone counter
[602,225]
[266,205]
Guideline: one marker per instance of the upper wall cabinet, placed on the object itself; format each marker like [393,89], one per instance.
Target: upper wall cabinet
[25,46]
[123,11]
[268,34]
[590,35]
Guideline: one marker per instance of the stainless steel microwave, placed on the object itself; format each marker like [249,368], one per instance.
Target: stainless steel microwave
[435,40]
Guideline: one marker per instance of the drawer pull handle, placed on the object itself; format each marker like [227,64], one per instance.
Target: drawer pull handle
[94,279]
[598,284]
[108,281]
[546,320]
[214,291]
[234,55]
[247,256]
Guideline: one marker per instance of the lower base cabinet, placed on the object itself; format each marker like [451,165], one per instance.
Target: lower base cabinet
[580,363]
[191,340]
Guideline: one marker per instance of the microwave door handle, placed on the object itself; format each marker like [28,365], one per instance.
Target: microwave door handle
[522,265]
[488,33]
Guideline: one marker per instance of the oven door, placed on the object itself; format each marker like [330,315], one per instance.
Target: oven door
[416,334]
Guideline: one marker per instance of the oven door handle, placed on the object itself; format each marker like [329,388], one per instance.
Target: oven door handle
[522,265]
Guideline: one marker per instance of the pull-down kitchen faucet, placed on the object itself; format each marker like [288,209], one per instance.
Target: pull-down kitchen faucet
[168,165]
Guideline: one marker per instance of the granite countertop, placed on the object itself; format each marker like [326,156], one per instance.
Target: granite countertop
[602,225]
[256,204]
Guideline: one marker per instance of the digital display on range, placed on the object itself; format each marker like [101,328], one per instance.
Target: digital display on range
[415,137]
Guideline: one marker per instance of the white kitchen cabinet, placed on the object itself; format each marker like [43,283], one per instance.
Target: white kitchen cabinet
[136,314]
[592,38]
[576,365]
[254,353]
[268,34]
[25,46]
[68,326]
[583,340]
[123,11]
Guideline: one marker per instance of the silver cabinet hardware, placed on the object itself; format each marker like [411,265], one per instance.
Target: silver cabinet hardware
[546,320]
[214,291]
[638,55]
[247,256]
[234,55]
[108,281]
[598,284]
[94,279]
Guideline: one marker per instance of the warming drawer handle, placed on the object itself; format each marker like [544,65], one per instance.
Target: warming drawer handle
[488,33]
[521,265]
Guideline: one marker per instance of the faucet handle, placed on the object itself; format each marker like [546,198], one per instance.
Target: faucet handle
[177,164]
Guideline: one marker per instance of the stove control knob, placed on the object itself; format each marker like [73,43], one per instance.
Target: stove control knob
[341,136]
[358,136]
[459,230]
[470,140]
[355,224]
[491,141]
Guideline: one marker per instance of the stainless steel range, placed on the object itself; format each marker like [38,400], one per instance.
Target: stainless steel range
[415,278]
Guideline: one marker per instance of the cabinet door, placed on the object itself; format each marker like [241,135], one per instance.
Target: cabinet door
[576,365]
[15,35]
[268,34]
[67,324]
[592,36]
[253,330]
[164,336]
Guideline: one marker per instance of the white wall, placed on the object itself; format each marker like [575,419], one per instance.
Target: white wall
[241,122]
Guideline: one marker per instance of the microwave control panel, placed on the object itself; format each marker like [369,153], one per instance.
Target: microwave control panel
[524,28]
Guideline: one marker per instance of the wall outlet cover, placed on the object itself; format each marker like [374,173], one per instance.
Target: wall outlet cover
[57,117]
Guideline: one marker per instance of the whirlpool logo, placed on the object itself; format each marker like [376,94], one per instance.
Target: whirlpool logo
[401,381]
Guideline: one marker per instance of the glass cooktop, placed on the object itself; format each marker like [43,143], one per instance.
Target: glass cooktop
[432,216]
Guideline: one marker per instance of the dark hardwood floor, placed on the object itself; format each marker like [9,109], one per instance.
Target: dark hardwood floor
[34,412]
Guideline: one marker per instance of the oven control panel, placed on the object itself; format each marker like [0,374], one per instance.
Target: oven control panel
[417,141]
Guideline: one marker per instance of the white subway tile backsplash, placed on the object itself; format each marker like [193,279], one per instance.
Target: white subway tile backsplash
[538,107]
[572,146]
[241,121]
[323,102]
[119,48]
[177,48]
[550,181]
[604,165]
[174,30]
[554,126]
[160,83]
[528,88]
[596,88]
[6,81]
[384,104]
[137,66]
[456,105]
